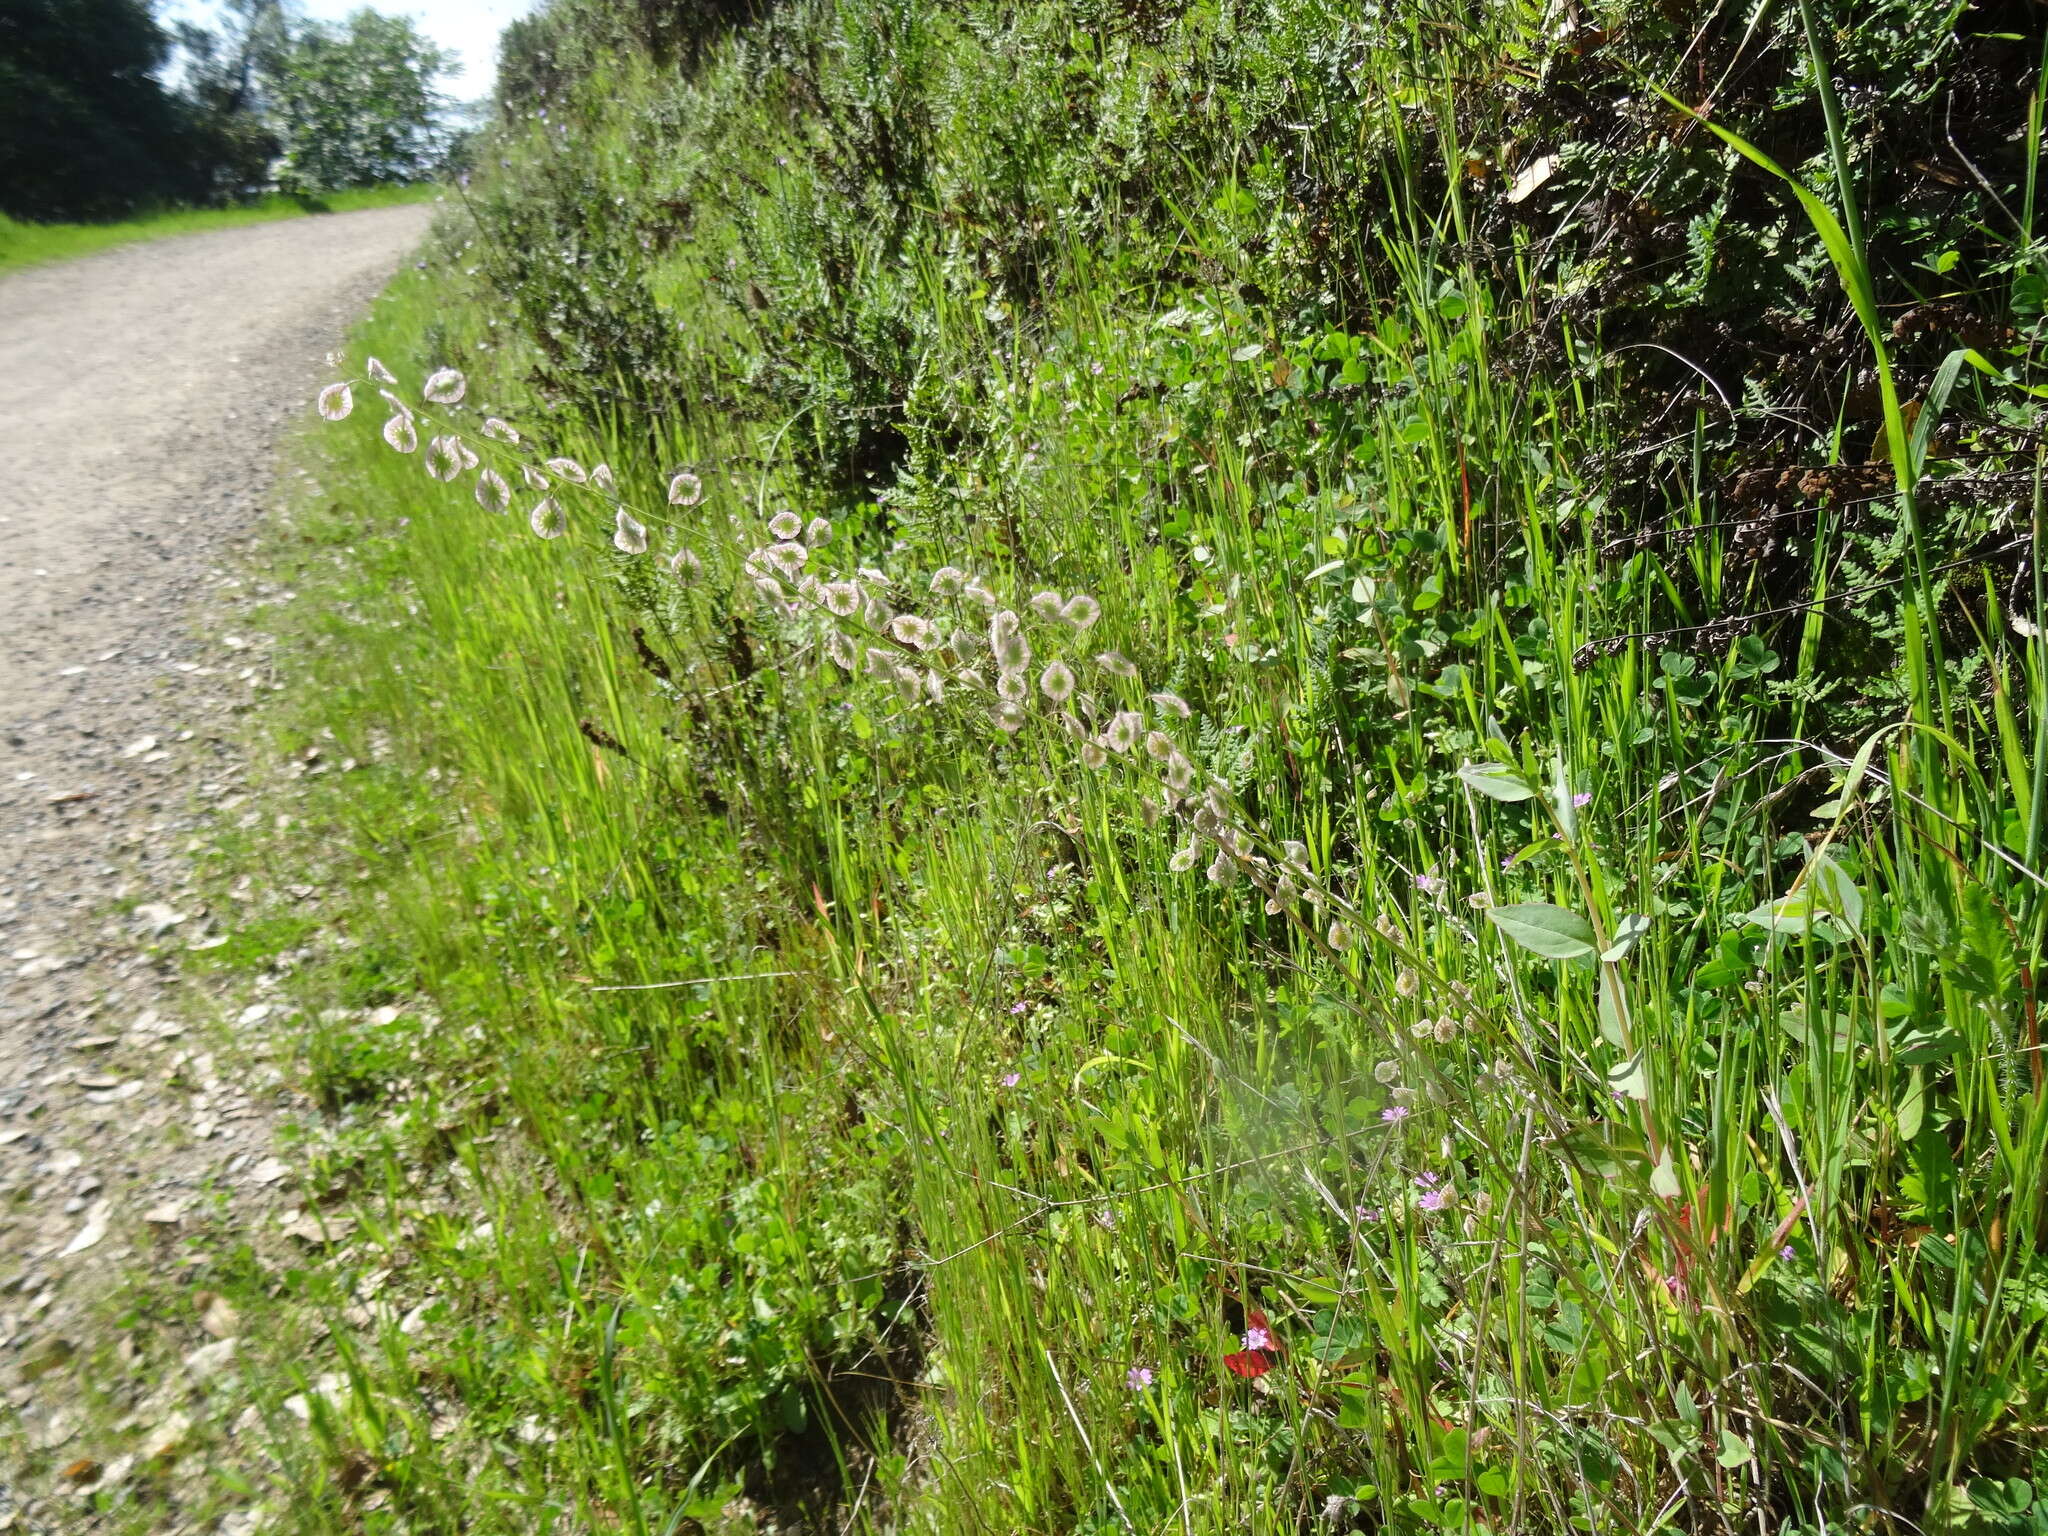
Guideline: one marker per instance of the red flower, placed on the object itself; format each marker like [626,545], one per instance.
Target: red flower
[1251,1363]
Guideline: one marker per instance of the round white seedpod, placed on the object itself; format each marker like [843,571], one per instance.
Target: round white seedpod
[629,535]
[685,565]
[1093,756]
[840,650]
[841,599]
[336,401]
[492,493]
[469,458]
[1158,746]
[535,480]
[400,406]
[785,525]
[1116,664]
[1184,858]
[684,489]
[1180,773]
[444,387]
[976,592]
[1006,640]
[500,431]
[948,579]
[601,477]
[909,684]
[770,588]
[1123,731]
[400,434]
[880,663]
[875,613]
[569,470]
[934,685]
[1011,686]
[1073,726]
[1173,704]
[443,458]
[1009,716]
[548,519]
[1056,682]
[1294,857]
[1046,604]
[913,631]
[788,558]
[818,533]
[1222,869]
[1081,611]
[379,372]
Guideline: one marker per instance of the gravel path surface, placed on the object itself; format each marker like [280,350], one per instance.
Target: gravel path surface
[140,396]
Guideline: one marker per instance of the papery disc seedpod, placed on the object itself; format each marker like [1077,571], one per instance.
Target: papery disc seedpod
[909,684]
[840,651]
[601,477]
[1158,746]
[399,433]
[785,525]
[913,631]
[841,599]
[629,536]
[1116,664]
[1081,610]
[569,470]
[548,519]
[469,458]
[492,493]
[379,372]
[948,579]
[685,565]
[1222,869]
[535,480]
[1046,604]
[1011,686]
[336,401]
[400,406]
[443,458]
[1173,704]
[788,558]
[1184,858]
[818,533]
[500,431]
[1056,682]
[1123,730]
[1009,716]
[976,592]
[1006,640]
[1093,756]
[934,685]
[684,489]
[770,588]
[1180,773]
[444,386]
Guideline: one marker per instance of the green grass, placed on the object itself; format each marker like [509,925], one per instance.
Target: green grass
[763,1092]
[27,245]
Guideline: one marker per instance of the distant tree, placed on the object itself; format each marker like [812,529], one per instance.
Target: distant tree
[226,79]
[87,130]
[354,104]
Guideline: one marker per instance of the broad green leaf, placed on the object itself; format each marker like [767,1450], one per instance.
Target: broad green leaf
[1546,929]
[1664,1177]
[1610,1012]
[1496,782]
[1835,892]
[1626,932]
[1630,1078]
[1734,1452]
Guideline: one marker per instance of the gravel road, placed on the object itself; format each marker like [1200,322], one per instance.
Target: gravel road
[141,392]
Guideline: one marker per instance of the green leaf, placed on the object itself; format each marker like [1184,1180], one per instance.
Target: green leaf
[1629,1078]
[1546,929]
[1626,932]
[1496,782]
[1664,1177]
[1734,1452]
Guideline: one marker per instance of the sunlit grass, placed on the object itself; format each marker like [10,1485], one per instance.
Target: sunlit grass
[27,245]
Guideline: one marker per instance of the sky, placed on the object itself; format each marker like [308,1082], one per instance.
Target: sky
[469,27]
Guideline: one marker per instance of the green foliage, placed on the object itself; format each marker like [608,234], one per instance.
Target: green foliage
[1595,1084]
[355,104]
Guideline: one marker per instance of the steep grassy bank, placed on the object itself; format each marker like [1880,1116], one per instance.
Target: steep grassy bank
[1183,840]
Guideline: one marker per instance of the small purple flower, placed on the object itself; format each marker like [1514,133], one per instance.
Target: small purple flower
[1138,1378]
[1435,1200]
[1507,861]
[1427,1180]
[1788,1252]
[1257,1338]
[1429,885]
[1009,1079]
[1581,800]
[1366,1212]
[1394,1114]
[1019,1006]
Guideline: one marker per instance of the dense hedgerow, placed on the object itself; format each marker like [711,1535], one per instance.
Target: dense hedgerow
[1302,747]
